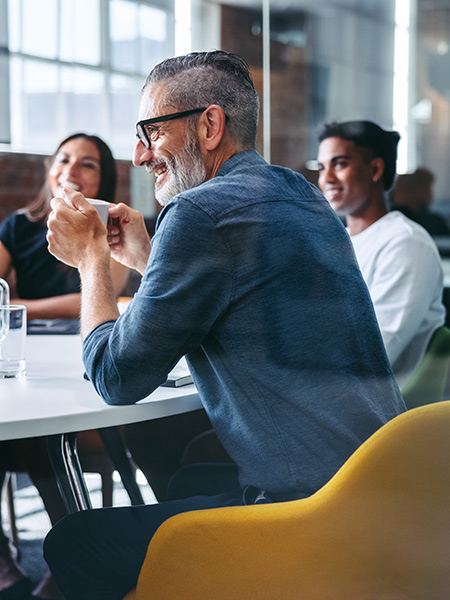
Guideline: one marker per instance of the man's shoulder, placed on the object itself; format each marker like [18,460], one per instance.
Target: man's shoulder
[247,178]
[395,226]
[251,164]
[402,227]
[246,188]
[396,234]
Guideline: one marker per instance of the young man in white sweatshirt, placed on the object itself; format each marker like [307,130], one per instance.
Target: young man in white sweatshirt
[398,259]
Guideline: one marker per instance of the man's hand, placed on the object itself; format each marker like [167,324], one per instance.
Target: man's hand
[128,238]
[76,233]
[77,236]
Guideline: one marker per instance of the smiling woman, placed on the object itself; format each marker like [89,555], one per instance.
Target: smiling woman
[48,288]
[77,165]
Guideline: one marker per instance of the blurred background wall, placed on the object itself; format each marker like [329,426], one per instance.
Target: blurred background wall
[71,65]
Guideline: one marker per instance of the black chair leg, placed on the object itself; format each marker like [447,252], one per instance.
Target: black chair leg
[114,445]
[69,476]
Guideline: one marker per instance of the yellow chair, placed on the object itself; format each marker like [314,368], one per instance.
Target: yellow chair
[428,382]
[380,528]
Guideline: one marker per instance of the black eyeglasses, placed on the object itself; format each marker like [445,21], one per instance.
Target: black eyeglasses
[147,135]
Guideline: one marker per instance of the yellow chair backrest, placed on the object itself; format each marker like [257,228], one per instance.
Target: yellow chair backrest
[428,382]
[379,529]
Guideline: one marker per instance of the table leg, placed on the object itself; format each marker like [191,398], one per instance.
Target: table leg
[114,444]
[69,476]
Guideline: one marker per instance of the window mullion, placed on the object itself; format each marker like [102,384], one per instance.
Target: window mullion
[105,64]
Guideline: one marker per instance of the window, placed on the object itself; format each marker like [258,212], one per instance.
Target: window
[78,65]
[80,31]
[140,36]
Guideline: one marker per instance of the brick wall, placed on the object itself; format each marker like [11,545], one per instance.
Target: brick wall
[289,82]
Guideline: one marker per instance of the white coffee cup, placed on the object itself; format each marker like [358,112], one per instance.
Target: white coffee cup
[102,207]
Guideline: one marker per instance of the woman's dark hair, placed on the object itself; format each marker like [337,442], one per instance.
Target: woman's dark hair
[39,208]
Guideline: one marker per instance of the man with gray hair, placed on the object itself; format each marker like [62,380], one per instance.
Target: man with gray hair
[251,275]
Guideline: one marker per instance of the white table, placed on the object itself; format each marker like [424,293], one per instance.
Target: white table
[55,400]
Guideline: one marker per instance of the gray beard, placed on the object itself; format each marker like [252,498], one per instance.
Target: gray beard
[186,170]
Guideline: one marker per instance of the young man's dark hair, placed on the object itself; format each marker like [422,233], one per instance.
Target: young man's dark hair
[369,135]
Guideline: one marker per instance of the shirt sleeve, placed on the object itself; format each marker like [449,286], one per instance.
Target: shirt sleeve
[407,278]
[184,290]
[6,232]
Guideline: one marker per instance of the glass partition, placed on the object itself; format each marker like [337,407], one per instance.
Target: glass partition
[312,61]
[430,109]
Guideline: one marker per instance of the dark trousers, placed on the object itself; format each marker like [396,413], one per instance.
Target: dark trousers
[158,446]
[204,479]
[97,554]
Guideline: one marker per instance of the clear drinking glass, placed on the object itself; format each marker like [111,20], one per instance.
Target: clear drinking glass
[4,314]
[13,345]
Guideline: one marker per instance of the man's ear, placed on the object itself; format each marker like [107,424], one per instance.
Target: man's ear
[377,168]
[212,126]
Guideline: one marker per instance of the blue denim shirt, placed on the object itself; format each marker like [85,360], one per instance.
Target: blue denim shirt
[253,277]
